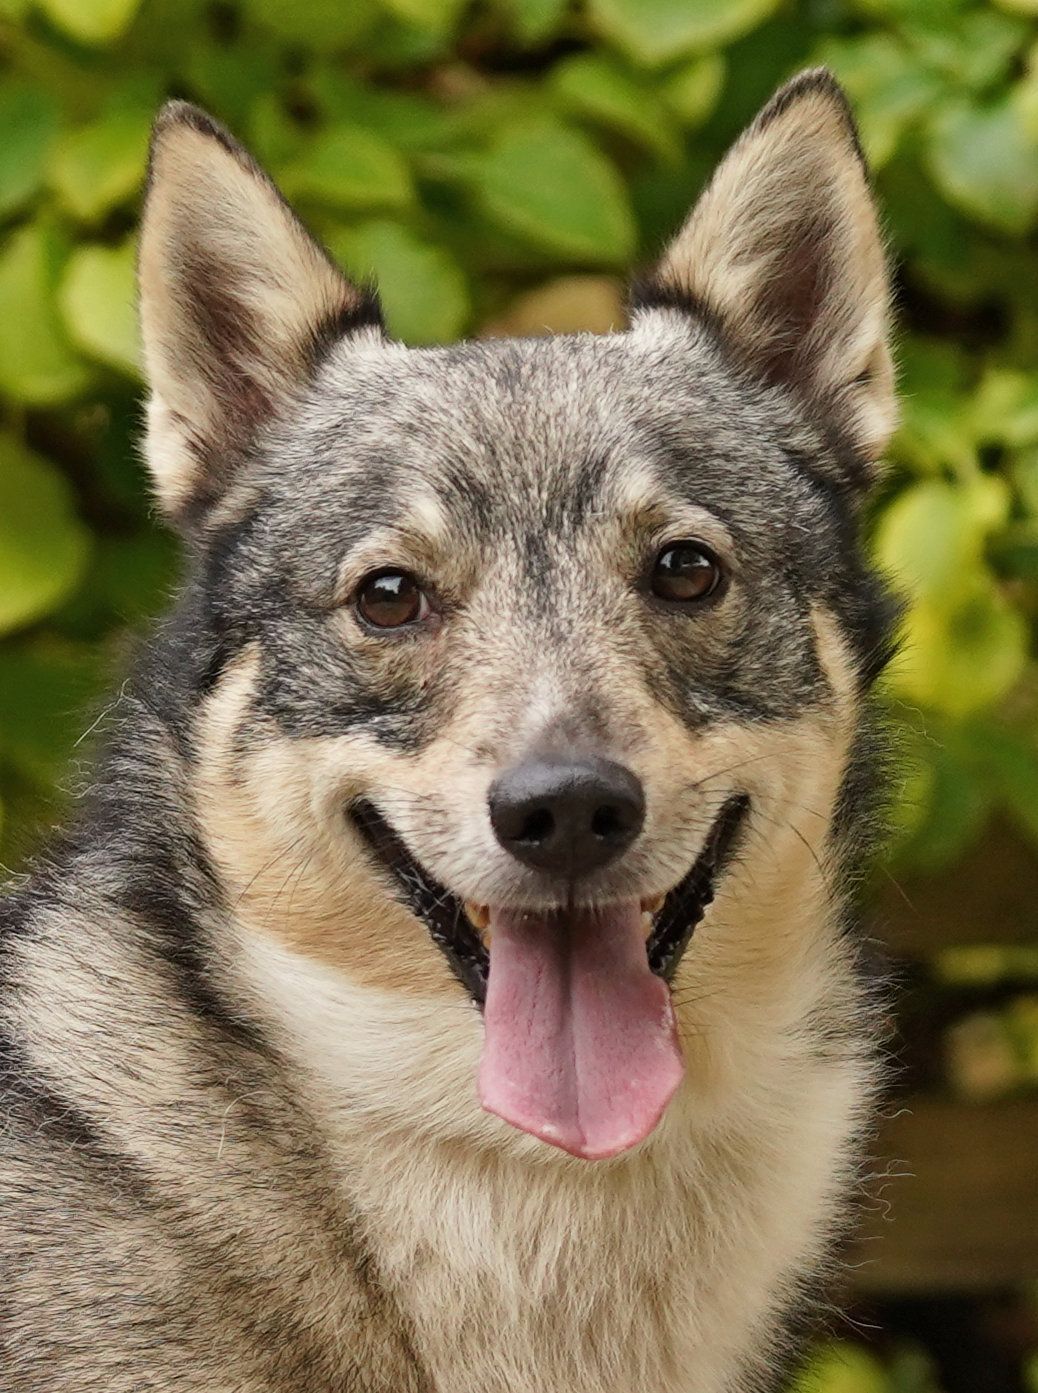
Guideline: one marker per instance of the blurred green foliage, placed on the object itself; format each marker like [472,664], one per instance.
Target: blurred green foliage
[840,1367]
[501,164]
[497,165]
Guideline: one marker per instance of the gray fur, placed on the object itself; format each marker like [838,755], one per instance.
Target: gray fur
[181,1205]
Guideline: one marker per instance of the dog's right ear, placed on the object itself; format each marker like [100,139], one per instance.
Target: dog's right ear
[237,304]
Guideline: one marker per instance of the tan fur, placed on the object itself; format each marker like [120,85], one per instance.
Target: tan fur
[707,1219]
[205,202]
[518,1268]
[505,1255]
[274,820]
[273,826]
[267,1167]
[792,165]
[116,1276]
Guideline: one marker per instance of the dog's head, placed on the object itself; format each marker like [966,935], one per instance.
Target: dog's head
[511,662]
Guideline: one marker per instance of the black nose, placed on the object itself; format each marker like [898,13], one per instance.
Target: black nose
[567,815]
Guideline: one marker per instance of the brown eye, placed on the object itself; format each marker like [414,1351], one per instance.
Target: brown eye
[391,599]
[685,571]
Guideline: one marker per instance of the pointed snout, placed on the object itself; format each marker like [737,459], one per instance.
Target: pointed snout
[566,815]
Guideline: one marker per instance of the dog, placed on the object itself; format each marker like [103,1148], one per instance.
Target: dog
[450,981]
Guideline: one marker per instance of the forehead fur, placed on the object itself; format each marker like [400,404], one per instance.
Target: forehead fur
[779,269]
[540,430]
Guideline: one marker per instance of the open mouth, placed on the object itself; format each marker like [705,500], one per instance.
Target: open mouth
[580,1040]
[456,929]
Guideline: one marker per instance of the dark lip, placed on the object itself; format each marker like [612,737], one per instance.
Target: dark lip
[675,922]
[444,916]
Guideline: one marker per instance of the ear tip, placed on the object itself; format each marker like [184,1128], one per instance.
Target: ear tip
[177,113]
[819,81]
[813,84]
[176,117]
[172,155]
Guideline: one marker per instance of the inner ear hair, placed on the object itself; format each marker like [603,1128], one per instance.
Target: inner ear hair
[238,304]
[782,254]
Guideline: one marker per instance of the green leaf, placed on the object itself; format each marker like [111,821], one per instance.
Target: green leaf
[347,167]
[931,538]
[322,24]
[1014,552]
[552,187]
[1011,762]
[964,645]
[982,964]
[405,120]
[692,90]
[273,135]
[565,305]
[29,122]
[986,163]
[46,696]
[488,113]
[888,85]
[232,80]
[43,546]
[91,21]
[98,300]
[395,45]
[37,364]
[931,235]
[842,1368]
[1005,408]
[972,50]
[1025,479]
[535,20]
[102,164]
[596,86]
[935,432]
[961,657]
[654,32]
[422,289]
[133,577]
[911,9]
[438,16]
[955,806]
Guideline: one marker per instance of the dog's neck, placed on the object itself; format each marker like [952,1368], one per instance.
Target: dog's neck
[701,1229]
[704,1228]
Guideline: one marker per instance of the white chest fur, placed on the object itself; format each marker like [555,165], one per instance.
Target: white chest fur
[525,1271]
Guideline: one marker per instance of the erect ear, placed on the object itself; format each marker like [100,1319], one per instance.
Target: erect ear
[237,303]
[784,252]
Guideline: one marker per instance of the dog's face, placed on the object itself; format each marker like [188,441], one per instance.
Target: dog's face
[513,657]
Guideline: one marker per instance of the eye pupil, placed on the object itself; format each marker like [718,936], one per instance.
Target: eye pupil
[390,599]
[685,571]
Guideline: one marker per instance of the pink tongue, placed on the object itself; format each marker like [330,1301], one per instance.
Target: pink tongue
[581,1048]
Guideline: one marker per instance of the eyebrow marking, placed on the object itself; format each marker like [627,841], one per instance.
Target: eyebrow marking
[424,514]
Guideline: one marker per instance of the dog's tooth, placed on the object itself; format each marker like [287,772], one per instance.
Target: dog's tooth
[653,904]
[478,915]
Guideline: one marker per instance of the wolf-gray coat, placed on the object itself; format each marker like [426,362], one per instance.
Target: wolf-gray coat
[244,998]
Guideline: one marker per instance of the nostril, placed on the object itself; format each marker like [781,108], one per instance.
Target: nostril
[607,822]
[537,827]
[566,815]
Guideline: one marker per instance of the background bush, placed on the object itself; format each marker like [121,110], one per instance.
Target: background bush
[497,166]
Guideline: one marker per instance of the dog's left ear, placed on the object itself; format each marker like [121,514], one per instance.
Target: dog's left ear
[237,302]
[784,252]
